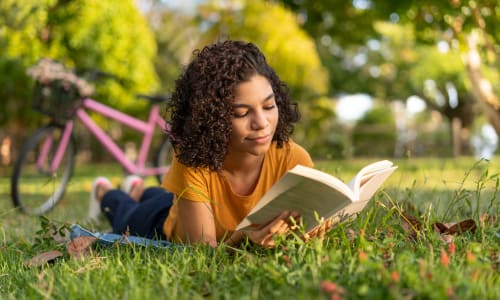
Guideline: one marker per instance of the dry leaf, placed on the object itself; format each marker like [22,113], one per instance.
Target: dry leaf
[80,246]
[43,258]
[440,227]
[453,228]
[463,226]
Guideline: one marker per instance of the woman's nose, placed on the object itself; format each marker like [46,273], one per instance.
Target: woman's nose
[259,120]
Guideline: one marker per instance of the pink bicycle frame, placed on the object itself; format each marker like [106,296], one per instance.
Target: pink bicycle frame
[146,128]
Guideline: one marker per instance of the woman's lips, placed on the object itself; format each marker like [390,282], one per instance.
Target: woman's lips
[260,139]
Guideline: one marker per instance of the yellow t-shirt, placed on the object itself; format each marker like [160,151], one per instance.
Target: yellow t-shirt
[213,188]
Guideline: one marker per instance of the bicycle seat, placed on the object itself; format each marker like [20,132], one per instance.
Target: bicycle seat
[154,98]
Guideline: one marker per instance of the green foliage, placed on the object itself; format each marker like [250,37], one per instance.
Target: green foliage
[48,233]
[454,23]
[20,45]
[176,36]
[375,134]
[111,36]
[321,135]
[108,35]
[340,30]
[290,51]
[388,49]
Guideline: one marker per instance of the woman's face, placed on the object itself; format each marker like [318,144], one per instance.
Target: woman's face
[255,117]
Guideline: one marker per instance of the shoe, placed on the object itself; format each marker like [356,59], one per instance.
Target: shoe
[95,206]
[130,181]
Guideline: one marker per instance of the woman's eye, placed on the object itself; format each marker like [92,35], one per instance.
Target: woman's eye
[269,107]
[240,113]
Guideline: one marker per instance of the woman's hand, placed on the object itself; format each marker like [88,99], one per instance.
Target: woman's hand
[320,230]
[264,235]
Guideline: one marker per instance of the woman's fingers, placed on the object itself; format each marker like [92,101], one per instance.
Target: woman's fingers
[279,225]
[320,230]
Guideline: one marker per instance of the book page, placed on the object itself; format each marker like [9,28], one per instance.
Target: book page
[315,194]
[304,190]
[292,177]
[347,212]
[366,174]
[305,197]
[373,183]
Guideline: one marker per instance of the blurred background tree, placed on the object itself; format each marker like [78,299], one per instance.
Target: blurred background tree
[443,55]
[448,54]
[111,36]
[375,134]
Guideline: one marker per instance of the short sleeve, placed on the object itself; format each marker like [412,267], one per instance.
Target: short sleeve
[298,156]
[187,183]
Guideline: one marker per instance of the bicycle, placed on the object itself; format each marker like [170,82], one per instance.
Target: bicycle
[46,161]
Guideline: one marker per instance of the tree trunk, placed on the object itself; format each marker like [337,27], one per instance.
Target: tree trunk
[481,87]
[456,126]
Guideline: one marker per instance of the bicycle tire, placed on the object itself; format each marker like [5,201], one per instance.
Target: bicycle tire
[36,190]
[163,156]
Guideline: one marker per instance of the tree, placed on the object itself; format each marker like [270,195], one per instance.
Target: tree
[289,49]
[108,35]
[375,134]
[468,27]
[176,34]
[437,76]
[340,30]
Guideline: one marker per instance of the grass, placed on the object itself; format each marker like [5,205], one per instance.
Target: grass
[370,257]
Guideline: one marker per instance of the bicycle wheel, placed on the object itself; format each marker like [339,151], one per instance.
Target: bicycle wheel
[163,156]
[35,188]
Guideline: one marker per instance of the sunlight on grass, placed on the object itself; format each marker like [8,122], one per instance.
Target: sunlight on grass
[372,256]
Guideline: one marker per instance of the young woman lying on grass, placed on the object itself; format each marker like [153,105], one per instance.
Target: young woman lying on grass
[231,119]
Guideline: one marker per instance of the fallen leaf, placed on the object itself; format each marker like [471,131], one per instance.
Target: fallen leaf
[440,227]
[463,226]
[80,246]
[43,258]
[455,227]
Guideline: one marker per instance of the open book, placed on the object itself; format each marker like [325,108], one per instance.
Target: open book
[315,194]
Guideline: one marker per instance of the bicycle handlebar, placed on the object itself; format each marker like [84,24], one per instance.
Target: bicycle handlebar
[94,74]
[154,98]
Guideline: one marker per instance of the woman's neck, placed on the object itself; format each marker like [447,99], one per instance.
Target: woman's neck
[243,172]
[234,163]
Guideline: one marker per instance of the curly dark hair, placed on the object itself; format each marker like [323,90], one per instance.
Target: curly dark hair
[200,110]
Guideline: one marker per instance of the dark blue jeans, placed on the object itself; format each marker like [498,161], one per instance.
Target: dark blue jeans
[144,218]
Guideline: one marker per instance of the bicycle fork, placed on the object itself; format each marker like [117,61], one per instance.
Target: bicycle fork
[61,149]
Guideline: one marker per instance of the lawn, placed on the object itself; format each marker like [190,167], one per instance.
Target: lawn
[375,256]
